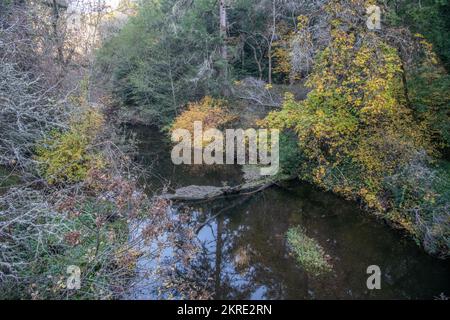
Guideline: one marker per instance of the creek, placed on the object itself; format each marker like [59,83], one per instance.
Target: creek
[245,245]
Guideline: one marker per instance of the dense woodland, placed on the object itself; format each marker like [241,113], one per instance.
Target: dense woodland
[364,114]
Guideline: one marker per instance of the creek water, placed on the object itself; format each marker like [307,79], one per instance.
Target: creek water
[246,250]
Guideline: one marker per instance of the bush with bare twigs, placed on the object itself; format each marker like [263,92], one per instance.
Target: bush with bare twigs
[65,210]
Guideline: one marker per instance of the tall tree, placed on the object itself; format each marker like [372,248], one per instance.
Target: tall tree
[223,35]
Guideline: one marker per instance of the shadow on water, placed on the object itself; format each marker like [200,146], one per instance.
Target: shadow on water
[154,150]
[248,258]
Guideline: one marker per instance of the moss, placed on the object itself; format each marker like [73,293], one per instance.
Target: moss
[308,253]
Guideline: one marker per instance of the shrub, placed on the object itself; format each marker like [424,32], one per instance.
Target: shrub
[67,156]
[290,154]
[354,120]
[308,253]
[420,201]
[42,235]
[213,113]
[26,116]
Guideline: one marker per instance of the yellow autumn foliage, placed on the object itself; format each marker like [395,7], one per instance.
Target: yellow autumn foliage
[282,52]
[213,113]
[68,156]
[354,127]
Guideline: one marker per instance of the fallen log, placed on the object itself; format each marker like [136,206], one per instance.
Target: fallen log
[195,193]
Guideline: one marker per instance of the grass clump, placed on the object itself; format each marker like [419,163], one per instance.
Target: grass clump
[308,253]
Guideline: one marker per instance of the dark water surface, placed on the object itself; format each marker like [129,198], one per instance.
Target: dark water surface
[246,250]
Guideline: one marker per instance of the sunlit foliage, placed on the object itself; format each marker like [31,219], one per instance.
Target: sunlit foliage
[67,156]
[354,126]
[213,113]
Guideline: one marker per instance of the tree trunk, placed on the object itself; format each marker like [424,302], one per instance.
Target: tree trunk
[272,36]
[270,63]
[172,87]
[223,36]
[55,19]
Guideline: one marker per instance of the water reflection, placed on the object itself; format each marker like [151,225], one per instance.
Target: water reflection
[154,155]
[244,253]
[249,257]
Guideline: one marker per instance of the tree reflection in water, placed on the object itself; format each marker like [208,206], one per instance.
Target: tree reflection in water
[245,255]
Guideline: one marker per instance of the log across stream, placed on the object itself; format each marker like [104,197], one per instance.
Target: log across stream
[196,192]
